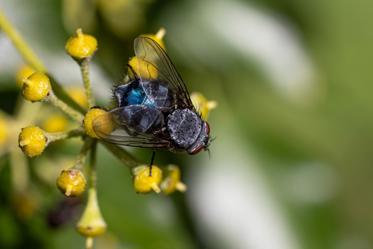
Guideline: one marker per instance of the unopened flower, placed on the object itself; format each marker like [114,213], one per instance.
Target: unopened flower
[71,182]
[36,87]
[202,105]
[55,123]
[142,68]
[147,179]
[158,37]
[172,181]
[32,141]
[23,73]
[97,120]
[91,224]
[81,46]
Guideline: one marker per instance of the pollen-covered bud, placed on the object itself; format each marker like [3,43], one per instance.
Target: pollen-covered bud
[172,181]
[91,224]
[97,120]
[81,46]
[142,68]
[32,141]
[36,87]
[158,37]
[71,182]
[23,73]
[55,123]
[147,179]
[202,105]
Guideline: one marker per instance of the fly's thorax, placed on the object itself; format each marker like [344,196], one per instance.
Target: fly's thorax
[152,93]
[185,128]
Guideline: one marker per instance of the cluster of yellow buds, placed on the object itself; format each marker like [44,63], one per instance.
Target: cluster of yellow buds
[147,179]
[33,140]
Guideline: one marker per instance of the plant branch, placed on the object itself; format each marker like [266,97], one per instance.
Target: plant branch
[52,98]
[84,68]
[53,137]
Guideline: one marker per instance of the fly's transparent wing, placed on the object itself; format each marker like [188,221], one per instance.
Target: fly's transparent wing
[154,63]
[111,128]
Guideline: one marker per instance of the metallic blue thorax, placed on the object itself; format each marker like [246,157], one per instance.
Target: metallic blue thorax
[150,93]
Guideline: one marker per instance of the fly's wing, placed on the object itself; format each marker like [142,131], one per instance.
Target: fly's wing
[154,63]
[113,129]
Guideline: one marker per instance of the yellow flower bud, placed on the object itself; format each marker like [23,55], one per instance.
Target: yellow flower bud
[55,123]
[78,95]
[145,182]
[202,105]
[142,68]
[172,181]
[158,37]
[81,45]
[91,224]
[4,131]
[36,87]
[71,182]
[32,141]
[97,120]
[23,73]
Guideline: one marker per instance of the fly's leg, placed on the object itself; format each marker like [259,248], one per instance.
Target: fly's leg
[151,163]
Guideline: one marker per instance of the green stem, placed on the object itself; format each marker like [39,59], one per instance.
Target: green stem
[126,158]
[52,98]
[92,163]
[26,52]
[80,160]
[84,68]
[53,137]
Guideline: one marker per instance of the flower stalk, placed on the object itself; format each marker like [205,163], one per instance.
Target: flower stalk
[84,68]
[54,100]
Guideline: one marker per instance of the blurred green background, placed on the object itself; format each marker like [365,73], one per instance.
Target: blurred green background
[292,163]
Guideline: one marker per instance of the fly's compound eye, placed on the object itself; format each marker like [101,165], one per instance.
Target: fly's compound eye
[207,128]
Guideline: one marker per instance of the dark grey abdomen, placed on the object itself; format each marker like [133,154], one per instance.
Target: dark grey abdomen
[184,127]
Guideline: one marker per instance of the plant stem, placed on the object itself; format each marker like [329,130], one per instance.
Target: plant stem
[80,161]
[53,137]
[92,163]
[26,52]
[84,68]
[52,98]
[126,158]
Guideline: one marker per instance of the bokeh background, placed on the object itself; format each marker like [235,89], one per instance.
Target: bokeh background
[291,166]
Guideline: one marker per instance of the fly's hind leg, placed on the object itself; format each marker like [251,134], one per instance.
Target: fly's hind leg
[151,163]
